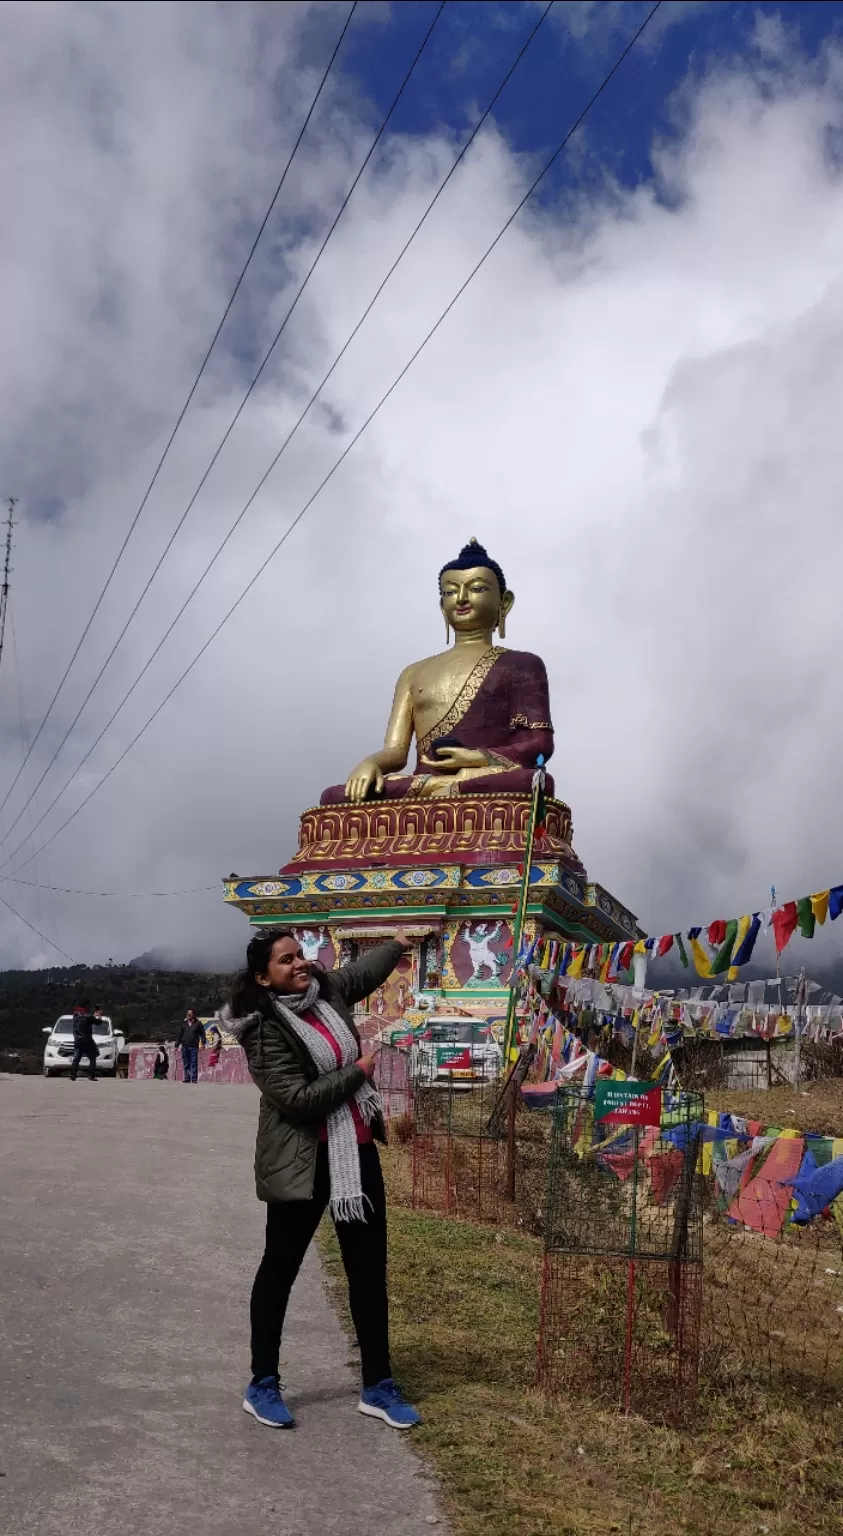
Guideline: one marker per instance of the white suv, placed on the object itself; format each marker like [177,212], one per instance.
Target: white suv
[58,1051]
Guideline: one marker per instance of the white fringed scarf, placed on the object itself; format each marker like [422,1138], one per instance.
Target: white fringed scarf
[347,1199]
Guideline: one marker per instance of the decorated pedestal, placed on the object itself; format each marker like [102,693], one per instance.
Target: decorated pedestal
[449,872]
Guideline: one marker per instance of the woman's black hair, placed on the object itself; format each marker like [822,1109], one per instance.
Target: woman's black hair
[247,995]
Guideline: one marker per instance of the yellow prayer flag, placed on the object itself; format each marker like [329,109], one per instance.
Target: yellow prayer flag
[575,968]
[744,924]
[701,959]
[640,948]
[711,1118]
[819,905]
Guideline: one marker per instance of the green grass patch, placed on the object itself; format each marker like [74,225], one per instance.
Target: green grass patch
[464,1317]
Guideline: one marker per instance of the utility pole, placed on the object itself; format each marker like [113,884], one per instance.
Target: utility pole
[7,570]
[798,1026]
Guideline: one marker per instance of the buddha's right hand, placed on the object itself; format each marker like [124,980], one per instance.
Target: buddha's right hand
[367,776]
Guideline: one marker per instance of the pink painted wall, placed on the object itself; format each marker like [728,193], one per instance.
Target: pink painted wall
[231,1067]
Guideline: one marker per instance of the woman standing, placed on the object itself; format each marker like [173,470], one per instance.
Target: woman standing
[319,1119]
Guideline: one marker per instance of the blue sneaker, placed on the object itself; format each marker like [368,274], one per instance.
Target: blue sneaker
[385,1402]
[264,1402]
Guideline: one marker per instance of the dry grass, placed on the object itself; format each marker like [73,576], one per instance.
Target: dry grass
[464,1326]
[817,1107]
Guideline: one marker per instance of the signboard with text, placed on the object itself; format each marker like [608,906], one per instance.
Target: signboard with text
[627,1103]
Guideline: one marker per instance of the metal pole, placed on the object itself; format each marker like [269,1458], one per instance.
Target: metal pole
[629,1322]
[635,1029]
[521,913]
[801,990]
[7,568]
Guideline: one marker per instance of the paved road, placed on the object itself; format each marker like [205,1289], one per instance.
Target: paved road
[129,1233]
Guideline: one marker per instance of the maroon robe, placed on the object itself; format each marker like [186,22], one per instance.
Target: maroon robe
[503,709]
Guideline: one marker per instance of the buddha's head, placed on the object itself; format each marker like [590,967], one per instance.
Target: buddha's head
[473,593]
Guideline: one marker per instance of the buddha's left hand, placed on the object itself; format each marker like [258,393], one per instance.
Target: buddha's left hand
[451,759]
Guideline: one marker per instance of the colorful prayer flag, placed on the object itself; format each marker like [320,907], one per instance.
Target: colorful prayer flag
[748,931]
[625,956]
[805,917]
[835,901]
[576,965]
[784,924]
[819,905]
[702,961]
[723,959]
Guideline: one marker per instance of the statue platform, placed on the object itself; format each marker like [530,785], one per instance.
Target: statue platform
[475,830]
[449,872]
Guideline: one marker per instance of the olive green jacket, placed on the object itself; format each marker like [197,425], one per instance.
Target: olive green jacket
[294,1098]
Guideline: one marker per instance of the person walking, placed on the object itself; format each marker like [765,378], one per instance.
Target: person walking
[319,1120]
[190,1037]
[161,1065]
[84,1043]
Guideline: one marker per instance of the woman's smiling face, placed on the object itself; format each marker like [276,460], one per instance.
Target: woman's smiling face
[286,970]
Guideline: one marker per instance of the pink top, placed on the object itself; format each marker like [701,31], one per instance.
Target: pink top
[364,1131]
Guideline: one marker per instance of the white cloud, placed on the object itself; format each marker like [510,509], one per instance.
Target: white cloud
[635,406]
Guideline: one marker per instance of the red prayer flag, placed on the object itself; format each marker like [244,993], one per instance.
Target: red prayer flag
[665,943]
[717,932]
[784,924]
[625,957]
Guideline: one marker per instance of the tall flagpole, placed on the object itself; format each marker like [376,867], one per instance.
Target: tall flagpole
[521,913]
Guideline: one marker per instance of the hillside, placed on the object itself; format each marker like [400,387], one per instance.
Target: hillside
[145,1004]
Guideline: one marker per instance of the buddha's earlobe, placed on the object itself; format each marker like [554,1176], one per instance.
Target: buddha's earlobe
[447,628]
[507,600]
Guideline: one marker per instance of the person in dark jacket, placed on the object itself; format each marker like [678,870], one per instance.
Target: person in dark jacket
[319,1120]
[190,1037]
[84,1043]
[161,1065]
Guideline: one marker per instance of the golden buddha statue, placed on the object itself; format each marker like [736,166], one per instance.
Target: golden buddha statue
[480,714]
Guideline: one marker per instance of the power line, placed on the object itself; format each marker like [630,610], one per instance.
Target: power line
[355,439]
[7,617]
[15,913]
[293,429]
[22,732]
[7,571]
[228,433]
[65,890]
[180,418]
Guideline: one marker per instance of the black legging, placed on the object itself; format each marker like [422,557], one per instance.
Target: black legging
[290,1226]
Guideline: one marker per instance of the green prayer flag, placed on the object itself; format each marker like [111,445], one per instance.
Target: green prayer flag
[723,959]
[681,947]
[805,917]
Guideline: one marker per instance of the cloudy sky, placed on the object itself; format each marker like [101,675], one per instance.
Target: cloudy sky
[635,405]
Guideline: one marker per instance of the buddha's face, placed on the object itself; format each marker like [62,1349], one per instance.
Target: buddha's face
[472,599]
